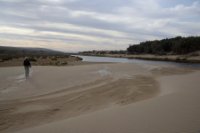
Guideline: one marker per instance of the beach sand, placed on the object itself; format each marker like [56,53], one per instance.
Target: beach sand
[100,98]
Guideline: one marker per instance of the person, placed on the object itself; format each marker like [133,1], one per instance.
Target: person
[27,66]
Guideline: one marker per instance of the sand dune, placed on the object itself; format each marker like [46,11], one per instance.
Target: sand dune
[102,98]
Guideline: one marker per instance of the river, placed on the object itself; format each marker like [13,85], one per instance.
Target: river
[136,61]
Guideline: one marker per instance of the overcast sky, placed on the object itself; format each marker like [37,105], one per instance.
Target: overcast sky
[78,25]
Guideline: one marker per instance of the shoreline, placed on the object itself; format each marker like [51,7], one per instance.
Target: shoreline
[75,60]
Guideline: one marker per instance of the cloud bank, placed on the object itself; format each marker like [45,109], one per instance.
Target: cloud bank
[78,25]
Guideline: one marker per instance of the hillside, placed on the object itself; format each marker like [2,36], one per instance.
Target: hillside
[173,46]
[22,51]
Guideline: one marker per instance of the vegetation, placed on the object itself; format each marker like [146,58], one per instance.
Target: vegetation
[173,46]
[177,45]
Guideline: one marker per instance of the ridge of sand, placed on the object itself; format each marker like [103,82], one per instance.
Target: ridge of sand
[172,113]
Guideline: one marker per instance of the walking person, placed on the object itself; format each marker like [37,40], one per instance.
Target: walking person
[27,66]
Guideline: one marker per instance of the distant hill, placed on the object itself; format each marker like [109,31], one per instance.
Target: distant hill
[22,51]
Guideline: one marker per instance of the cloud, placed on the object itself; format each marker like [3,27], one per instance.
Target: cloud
[99,24]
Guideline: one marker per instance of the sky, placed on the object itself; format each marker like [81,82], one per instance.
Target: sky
[81,25]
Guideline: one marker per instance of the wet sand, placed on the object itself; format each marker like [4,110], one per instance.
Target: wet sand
[110,98]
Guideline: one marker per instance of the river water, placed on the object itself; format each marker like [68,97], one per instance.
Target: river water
[136,61]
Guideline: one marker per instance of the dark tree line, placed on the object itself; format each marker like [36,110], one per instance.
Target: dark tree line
[177,45]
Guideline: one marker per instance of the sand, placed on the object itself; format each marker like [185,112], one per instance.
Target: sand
[104,98]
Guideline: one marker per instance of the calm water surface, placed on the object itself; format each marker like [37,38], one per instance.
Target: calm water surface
[136,61]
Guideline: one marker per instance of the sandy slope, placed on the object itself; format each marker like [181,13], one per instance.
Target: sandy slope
[100,98]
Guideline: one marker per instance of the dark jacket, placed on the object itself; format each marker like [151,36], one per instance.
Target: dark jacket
[27,63]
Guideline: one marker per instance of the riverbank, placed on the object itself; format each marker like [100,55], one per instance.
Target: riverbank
[41,60]
[189,58]
[61,99]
